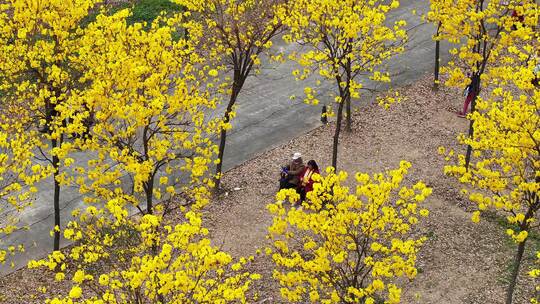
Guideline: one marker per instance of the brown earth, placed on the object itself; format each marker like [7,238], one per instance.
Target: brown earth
[461,262]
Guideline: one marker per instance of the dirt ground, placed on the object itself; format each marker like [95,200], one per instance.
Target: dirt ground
[460,263]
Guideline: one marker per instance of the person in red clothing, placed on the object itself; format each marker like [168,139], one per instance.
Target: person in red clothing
[517,18]
[306,179]
[470,91]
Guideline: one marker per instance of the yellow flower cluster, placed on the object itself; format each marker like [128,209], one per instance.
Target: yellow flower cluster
[148,258]
[132,97]
[498,43]
[506,168]
[486,34]
[347,247]
[236,34]
[348,38]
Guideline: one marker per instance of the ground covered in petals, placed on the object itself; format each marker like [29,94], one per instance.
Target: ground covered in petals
[461,262]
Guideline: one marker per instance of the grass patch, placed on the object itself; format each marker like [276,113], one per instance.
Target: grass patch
[141,11]
[431,235]
[529,256]
[533,239]
[148,10]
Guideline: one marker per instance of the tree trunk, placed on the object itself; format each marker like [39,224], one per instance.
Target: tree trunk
[222,141]
[348,126]
[436,73]
[149,192]
[515,272]
[471,132]
[476,88]
[56,199]
[345,95]
[336,134]
[437,61]
[236,87]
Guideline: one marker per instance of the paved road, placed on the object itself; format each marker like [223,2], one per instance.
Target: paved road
[266,117]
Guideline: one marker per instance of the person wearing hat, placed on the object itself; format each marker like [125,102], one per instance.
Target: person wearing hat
[291,173]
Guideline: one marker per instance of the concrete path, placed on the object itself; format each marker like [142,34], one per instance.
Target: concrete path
[265,118]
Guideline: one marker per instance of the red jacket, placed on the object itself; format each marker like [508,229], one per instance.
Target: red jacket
[306,181]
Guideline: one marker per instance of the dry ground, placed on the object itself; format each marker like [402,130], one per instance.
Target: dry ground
[461,262]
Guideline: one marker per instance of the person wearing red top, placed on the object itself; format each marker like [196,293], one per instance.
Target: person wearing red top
[306,178]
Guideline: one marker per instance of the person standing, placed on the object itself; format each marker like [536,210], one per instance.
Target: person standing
[470,92]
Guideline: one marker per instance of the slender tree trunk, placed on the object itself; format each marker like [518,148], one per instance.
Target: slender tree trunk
[476,88]
[348,126]
[56,198]
[437,61]
[149,192]
[436,78]
[222,142]
[345,95]
[515,272]
[471,133]
[236,87]
[336,134]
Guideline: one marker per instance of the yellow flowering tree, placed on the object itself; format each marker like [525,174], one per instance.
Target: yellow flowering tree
[236,33]
[347,39]
[484,32]
[121,259]
[504,173]
[149,118]
[41,82]
[149,112]
[348,247]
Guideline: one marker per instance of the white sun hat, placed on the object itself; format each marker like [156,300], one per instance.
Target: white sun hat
[296,156]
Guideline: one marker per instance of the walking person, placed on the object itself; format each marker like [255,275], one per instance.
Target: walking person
[306,179]
[470,91]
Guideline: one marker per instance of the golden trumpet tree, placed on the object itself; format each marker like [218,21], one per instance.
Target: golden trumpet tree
[149,116]
[347,39]
[236,34]
[346,246]
[41,82]
[484,32]
[149,112]
[148,259]
[504,170]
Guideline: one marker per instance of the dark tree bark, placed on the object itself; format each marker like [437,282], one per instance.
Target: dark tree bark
[336,134]
[149,192]
[56,199]
[348,126]
[437,61]
[515,272]
[223,141]
[237,85]
[532,199]
[345,95]
[476,90]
